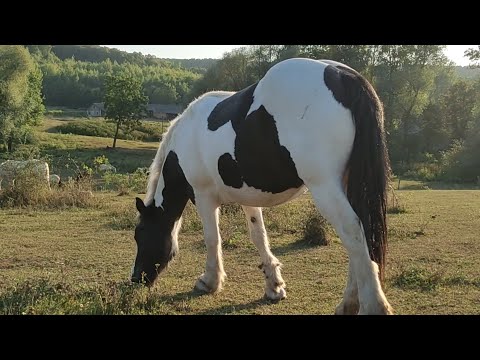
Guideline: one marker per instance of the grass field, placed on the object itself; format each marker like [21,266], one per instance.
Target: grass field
[77,261]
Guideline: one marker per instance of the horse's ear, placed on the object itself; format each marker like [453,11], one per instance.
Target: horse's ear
[140,205]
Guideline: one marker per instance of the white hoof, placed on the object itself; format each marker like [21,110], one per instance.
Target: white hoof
[208,286]
[273,295]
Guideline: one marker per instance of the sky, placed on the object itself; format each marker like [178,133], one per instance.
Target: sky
[454,52]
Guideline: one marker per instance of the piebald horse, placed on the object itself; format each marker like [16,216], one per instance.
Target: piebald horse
[307,124]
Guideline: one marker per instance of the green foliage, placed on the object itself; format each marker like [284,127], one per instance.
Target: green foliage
[426,107]
[142,131]
[474,55]
[76,77]
[127,183]
[125,102]
[20,95]
[461,162]
[100,160]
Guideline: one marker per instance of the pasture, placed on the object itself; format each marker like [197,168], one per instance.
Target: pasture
[78,261]
[73,260]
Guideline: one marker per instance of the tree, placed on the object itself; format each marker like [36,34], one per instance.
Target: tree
[474,55]
[124,101]
[404,79]
[459,105]
[20,94]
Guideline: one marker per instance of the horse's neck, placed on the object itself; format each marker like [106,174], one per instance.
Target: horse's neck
[173,190]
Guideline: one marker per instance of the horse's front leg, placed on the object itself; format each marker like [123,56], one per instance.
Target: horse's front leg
[274,284]
[212,280]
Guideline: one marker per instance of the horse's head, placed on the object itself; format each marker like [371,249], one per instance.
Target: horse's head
[156,243]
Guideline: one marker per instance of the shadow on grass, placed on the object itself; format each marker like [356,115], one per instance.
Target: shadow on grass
[232,309]
[183,296]
[296,246]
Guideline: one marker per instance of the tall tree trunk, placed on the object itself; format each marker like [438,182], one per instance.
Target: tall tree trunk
[116,134]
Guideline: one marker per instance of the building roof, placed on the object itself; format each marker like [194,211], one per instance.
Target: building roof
[101,105]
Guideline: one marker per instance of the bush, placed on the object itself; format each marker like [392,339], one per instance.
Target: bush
[126,183]
[30,190]
[25,152]
[424,171]
[316,230]
[461,162]
[101,128]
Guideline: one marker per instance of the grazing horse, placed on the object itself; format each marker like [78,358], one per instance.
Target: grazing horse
[307,124]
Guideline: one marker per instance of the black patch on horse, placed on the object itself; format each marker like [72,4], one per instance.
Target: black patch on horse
[229,171]
[343,83]
[261,162]
[233,108]
[176,185]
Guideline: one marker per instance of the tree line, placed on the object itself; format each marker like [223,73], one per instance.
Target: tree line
[432,115]
[74,75]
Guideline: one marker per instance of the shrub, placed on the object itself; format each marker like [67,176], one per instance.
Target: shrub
[316,230]
[126,183]
[101,128]
[461,162]
[30,190]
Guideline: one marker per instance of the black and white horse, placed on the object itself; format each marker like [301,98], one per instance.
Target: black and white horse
[307,124]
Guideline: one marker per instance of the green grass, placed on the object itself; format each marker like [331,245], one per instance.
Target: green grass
[77,261]
[59,148]
[145,131]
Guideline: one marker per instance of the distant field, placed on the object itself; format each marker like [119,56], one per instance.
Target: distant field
[128,156]
[77,261]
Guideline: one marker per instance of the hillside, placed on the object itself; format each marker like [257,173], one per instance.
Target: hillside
[98,54]
[73,75]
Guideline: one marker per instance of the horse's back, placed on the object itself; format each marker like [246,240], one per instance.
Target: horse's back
[317,130]
[259,146]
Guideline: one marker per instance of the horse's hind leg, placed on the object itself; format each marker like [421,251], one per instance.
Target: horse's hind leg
[274,284]
[212,280]
[334,206]
[349,304]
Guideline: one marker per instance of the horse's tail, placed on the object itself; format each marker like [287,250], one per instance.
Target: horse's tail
[368,166]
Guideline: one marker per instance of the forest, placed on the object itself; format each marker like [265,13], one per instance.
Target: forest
[432,108]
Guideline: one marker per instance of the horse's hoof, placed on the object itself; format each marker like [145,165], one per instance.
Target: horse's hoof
[347,308]
[275,296]
[203,285]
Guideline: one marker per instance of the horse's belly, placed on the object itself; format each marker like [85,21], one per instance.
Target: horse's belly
[250,196]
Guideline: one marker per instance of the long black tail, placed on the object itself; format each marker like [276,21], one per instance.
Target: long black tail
[368,166]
